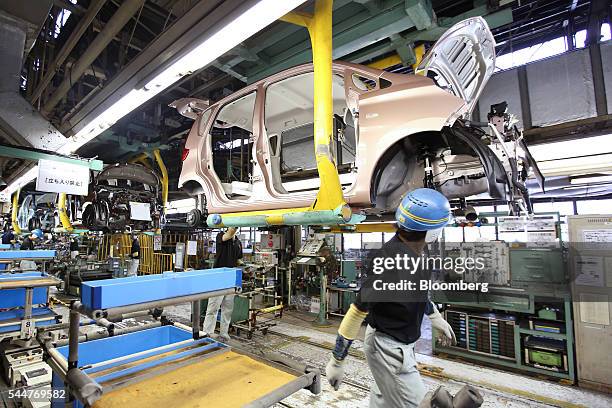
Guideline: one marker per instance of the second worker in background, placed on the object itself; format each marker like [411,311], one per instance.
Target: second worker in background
[228,254]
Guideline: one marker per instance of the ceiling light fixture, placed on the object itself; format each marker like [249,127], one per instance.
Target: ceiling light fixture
[591,180]
[251,21]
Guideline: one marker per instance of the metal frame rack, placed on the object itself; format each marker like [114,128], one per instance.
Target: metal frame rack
[519,333]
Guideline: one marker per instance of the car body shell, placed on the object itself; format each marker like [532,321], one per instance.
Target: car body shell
[412,104]
[396,107]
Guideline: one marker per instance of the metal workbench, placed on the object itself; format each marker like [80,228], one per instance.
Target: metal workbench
[172,364]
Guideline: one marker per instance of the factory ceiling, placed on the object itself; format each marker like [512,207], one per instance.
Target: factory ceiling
[365,31]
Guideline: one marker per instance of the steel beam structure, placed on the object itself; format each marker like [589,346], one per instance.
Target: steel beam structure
[36,154]
[177,40]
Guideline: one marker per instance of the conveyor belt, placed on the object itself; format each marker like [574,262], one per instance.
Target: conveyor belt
[227,379]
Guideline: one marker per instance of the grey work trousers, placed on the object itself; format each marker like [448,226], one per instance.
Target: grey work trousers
[393,366]
[226,303]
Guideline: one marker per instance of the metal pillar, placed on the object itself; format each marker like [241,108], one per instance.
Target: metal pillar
[322,316]
[195,319]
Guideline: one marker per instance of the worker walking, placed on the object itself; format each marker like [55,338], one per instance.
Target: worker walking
[228,254]
[394,318]
[135,256]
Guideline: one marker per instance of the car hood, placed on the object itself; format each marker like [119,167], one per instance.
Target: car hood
[132,172]
[462,60]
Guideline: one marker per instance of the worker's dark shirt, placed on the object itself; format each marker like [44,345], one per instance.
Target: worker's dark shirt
[74,245]
[228,252]
[27,244]
[7,237]
[135,249]
[396,313]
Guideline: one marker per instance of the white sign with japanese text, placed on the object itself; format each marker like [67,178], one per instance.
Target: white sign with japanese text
[58,177]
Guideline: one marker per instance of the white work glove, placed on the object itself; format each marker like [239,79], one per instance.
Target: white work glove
[334,371]
[438,323]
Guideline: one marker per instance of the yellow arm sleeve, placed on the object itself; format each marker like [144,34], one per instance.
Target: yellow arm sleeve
[349,328]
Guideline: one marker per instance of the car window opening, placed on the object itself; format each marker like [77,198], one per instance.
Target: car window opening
[232,146]
[289,117]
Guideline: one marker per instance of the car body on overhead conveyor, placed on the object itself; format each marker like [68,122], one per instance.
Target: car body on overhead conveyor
[254,150]
[123,197]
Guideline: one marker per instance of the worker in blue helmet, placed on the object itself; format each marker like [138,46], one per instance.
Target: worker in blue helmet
[28,242]
[394,316]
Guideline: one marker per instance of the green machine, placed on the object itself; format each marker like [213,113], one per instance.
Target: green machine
[349,271]
[522,322]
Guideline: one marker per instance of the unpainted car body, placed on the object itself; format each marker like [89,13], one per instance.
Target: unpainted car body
[118,188]
[254,149]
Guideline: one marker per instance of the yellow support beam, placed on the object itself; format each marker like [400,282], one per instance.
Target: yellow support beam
[14,212]
[63,216]
[390,227]
[142,158]
[164,180]
[330,195]
[298,18]
[419,53]
[329,205]
[386,62]
[395,59]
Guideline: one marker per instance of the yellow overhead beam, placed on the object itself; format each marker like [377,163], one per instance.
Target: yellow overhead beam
[365,227]
[14,211]
[164,180]
[63,216]
[395,59]
[298,18]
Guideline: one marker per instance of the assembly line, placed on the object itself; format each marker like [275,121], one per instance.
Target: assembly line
[305,203]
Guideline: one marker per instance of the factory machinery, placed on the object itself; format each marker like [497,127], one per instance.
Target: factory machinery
[524,320]
[80,270]
[24,310]
[161,364]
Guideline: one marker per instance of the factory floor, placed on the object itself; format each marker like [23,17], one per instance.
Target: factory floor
[296,337]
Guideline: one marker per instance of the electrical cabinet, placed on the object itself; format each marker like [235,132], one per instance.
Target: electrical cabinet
[590,241]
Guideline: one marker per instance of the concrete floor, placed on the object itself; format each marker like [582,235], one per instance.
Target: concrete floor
[294,336]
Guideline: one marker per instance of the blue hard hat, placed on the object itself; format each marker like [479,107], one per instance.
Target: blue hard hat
[37,233]
[423,209]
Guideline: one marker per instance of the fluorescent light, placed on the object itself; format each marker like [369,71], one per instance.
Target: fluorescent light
[256,18]
[259,16]
[591,180]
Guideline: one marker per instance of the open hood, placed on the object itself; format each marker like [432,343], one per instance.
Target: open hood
[462,60]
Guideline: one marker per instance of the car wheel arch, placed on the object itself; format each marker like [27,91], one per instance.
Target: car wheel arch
[401,146]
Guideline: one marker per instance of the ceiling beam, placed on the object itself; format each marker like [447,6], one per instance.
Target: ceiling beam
[349,36]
